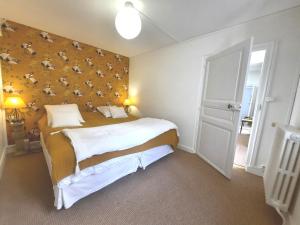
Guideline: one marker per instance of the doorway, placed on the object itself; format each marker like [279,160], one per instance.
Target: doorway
[250,108]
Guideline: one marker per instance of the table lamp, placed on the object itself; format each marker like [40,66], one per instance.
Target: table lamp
[14,103]
[127,103]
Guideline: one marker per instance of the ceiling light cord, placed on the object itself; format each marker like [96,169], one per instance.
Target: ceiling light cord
[158,27]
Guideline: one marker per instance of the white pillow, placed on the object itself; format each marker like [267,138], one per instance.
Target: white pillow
[65,119]
[117,112]
[69,108]
[104,110]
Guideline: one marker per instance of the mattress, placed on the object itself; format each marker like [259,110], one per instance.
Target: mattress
[61,153]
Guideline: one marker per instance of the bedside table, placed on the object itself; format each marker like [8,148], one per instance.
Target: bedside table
[19,136]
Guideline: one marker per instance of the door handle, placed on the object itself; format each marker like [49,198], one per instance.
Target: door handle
[229,106]
[233,107]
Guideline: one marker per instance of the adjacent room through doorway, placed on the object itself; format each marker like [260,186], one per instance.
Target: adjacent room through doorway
[249,105]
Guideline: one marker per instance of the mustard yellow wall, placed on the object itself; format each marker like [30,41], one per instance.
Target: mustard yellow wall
[43,69]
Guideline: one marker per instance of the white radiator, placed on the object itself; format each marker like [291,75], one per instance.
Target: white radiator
[283,168]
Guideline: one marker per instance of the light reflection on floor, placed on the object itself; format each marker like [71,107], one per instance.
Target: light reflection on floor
[242,147]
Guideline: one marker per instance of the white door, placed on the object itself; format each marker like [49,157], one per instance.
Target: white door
[224,82]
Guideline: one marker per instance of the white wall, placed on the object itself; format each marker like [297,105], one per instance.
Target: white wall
[166,83]
[3,140]
[2,137]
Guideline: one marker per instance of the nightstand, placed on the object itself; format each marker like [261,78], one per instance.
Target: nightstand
[19,136]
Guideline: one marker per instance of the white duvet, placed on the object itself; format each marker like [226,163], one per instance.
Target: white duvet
[88,142]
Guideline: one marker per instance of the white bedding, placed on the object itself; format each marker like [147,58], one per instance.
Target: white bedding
[88,142]
[75,187]
[89,180]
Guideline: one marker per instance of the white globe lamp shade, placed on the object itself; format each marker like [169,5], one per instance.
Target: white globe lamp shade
[128,22]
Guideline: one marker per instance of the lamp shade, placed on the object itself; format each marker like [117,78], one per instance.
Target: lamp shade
[128,22]
[14,103]
[127,102]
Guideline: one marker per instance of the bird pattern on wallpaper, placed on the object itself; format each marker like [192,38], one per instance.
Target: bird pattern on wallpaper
[44,68]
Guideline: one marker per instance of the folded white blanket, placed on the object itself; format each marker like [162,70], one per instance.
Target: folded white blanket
[88,142]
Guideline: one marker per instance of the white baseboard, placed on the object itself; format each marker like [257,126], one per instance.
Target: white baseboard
[258,171]
[186,148]
[2,161]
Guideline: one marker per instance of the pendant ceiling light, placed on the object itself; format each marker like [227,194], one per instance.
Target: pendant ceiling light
[128,21]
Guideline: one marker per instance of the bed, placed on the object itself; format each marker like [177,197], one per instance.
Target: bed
[97,171]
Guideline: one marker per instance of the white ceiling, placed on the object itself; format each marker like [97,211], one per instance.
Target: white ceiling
[165,21]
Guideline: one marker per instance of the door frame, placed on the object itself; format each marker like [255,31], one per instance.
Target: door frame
[263,102]
[295,91]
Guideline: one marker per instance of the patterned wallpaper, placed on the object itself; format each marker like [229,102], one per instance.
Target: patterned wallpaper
[44,68]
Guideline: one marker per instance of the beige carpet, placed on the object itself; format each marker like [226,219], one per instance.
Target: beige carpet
[180,189]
